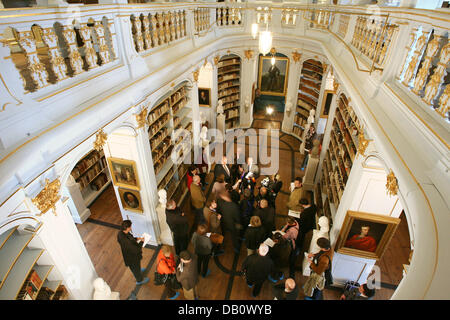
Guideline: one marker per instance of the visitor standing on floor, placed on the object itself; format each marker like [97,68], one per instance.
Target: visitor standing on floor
[131,251]
[257,268]
[231,220]
[203,248]
[254,235]
[267,216]
[165,264]
[286,291]
[187,274]
[295,196]
[222,168]
[178,224]
[198,200]
[307,221]
[319,264]
[212,218]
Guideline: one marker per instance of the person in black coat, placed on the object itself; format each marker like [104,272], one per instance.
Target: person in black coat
[231,220]
[280,254]
[307,221]
[178,224]
[254,235]
[223,168]
[267,216]
[131,251]
[257,268]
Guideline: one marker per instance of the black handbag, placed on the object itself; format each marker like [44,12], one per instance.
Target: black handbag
[159,278]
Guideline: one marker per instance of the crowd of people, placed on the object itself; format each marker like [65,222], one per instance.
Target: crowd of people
[245,213]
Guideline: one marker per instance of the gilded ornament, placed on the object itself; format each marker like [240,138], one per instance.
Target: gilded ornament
[100,140]
[248,54]
[296,56]
[141,118]
[391,184]
[47,198]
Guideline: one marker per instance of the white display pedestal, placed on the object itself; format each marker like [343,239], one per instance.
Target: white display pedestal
[77,206]
[165,236]
[310,173]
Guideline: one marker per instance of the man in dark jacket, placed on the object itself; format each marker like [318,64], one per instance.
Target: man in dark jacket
[178,224]
[231,220]
[307,221]
[279,253]
[222,168]
[257,268]
[131,251]
[267,216]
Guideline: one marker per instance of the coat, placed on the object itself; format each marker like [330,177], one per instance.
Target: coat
[165,265]
[294,199]
[131,249]
[257,268]
[230,214]
[254,236]
[212,220]
[202,244]
[178,224]
[189,276]
[220,169]
[267,216]
[197,196]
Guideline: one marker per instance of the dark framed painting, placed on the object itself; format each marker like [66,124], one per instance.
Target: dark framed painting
[273,78]
[204,97]
[131,200]
[124,173]
[366,235]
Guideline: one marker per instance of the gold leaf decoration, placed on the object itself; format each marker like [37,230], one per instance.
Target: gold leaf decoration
[248,54]
[141,118]
[296,56]
[47,198]
[391,184]
[100,140]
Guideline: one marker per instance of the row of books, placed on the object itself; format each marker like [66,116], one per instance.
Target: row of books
[85,163]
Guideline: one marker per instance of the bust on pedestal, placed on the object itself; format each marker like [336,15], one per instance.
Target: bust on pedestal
[220,121]
[165,237]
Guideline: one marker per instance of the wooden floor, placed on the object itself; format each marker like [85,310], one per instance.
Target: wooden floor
[99,234]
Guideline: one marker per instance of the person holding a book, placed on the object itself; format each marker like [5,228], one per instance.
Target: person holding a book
[131,251]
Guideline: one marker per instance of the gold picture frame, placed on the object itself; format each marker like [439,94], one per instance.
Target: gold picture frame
[273,81]
[124,173]
[131,200]
[366,235]
[206,100]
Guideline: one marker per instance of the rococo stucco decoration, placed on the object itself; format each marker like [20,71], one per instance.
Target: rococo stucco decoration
[100,140]
[141,118]
[47,198]
[391,184]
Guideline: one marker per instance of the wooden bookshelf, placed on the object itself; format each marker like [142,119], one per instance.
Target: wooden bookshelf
[308,93]
[228,83]
[92,175]
[340,154]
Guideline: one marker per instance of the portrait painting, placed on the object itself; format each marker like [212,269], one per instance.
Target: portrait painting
[131,200]
[124,173]
[273,78]
[365,234]
[204,97]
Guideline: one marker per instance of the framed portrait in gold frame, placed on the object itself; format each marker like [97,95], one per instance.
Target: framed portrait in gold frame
[204,97]
[124,173]
[272,79]
[366,235]
[131,200]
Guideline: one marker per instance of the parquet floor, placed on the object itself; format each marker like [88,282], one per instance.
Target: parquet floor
[100,231]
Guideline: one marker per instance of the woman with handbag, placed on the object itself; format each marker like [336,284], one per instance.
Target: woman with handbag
[165,263]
